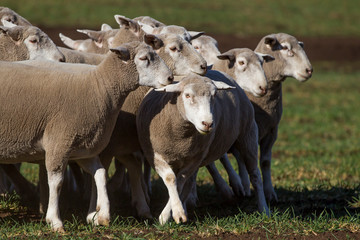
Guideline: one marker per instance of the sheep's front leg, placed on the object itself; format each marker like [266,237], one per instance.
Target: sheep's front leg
[174,203]
[55,170]
[266,145]
[234,178]
[100,215]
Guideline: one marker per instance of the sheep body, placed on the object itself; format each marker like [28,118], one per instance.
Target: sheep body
[35,123]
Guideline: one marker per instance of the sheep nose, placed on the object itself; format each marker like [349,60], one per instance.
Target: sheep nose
[263,90]
[207,125]
[203,66]
[171,79]
[309,71]
[62,59]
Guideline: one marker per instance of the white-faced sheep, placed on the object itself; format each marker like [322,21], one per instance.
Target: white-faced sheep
[196,128]
[290,61]
[37,103]
[19,43]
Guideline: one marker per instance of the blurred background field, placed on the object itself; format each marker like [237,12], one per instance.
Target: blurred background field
[316,159]
[257,17]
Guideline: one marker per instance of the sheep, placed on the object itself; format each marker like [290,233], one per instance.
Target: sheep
[290,61]
[33,127]
[182,59]
[189,127]
[99,42]
[208,48]
[6,14]
[19,43]
[26,42]
[240,64]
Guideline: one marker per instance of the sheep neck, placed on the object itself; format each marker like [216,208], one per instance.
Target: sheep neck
[117,78]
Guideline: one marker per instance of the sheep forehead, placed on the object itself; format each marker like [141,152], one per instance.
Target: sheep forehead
[247,54]
[284,38]
[198,85]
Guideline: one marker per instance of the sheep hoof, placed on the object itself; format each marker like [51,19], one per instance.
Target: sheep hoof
[179,217]
[104,222]
[59,229]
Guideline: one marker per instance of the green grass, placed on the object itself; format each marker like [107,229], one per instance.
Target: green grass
[297,17]
[315,171]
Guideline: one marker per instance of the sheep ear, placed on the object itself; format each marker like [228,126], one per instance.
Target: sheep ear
[227,56]
[170,88]
[147,28]
[153,41]
[301,44]
[7,24]
[221,85]
[195,35]
[270,40]
[105,27]
[122,20]
[122,52]
[265,57]
[94,35]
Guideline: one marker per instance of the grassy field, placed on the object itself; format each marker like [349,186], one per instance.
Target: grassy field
[315,171]
[298,17]
[315,168]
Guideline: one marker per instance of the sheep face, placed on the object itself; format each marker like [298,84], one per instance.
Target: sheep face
[196,100]
[290,57]
[41,46]
[207,47]
[152,69]
[245,66]
[180,56]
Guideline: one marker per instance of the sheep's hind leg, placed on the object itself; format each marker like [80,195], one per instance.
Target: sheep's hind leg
[220,183]
[101,214]
[55,174]
[265,163]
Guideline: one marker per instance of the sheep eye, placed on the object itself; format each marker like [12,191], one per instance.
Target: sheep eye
[33,41]
[285,48]
[196,47]
[187,95]
[173,49]
[143,58]
[241,63]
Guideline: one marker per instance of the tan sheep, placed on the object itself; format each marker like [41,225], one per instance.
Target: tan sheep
[37,126]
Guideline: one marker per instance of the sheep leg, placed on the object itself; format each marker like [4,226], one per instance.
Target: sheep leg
[43,188]
[147,176]
[192,198]
[174,203]
[244,175]
[220,183]
[147,169]
[55,171]
[248,148]
[138,196]
[21,185]
[102,214]
[118,179]
[266,145]
[234,178]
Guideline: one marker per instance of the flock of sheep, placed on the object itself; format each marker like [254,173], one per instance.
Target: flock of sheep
[143,94]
